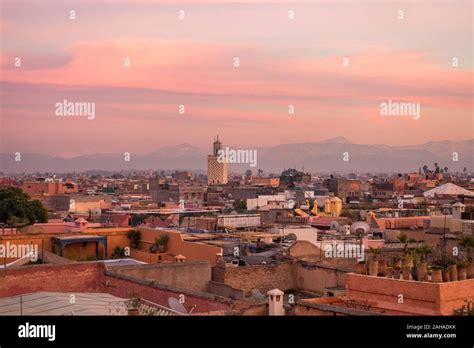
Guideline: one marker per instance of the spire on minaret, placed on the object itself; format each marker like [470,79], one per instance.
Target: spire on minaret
[217,145]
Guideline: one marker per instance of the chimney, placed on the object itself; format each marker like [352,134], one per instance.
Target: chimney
[275,302]
[458,209]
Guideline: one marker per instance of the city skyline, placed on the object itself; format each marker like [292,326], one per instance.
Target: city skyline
[332,155]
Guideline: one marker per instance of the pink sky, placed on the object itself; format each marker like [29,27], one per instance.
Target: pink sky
[190,62]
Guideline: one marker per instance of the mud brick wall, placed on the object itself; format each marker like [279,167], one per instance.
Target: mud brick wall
[264,277]
[71,277]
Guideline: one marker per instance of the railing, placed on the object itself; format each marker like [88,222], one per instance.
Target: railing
[9,231]
[62,304]
[148,308]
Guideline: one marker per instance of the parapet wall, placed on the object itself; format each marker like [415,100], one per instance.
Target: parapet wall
[71,277]
[193,275]
[195,301]
[411,297]
[93,277]
[284,276]
[265,277]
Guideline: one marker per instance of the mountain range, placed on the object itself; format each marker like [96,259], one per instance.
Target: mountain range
[322,156]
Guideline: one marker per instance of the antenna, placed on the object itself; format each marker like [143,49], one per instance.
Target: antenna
[334,225]
[177,306]
[360,225]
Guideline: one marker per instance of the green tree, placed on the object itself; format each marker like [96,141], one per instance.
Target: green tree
[352,214]
[135,237]
[16,208]
[240,205]
[424,250]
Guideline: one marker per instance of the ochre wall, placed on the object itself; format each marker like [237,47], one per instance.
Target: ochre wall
[115,237]
[176,245]
[118,237]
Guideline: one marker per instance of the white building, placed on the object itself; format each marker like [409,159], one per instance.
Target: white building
[238,221]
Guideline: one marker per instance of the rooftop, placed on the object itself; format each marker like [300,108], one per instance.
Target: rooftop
[59,303]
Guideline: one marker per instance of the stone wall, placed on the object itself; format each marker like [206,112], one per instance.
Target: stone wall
[262,277]
[316,278]
[284,276]
[225,290]
[192,275]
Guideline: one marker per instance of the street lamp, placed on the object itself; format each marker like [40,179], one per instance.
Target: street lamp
[443,239]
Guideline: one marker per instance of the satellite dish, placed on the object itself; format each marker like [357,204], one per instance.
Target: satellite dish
[257,295]
[177,306]
[360,225]
[346,229]
[334,225]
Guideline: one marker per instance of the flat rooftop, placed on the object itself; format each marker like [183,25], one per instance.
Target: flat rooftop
[81,237]
[84,303]
[58,303]
[165,211]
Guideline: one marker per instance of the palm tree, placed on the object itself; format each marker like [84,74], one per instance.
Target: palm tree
[375,252]
[403,238]
[424,250]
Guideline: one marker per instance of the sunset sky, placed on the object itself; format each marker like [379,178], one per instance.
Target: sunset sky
[190,62]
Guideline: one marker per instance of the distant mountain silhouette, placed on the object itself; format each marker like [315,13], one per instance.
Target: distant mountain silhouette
[323,156]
